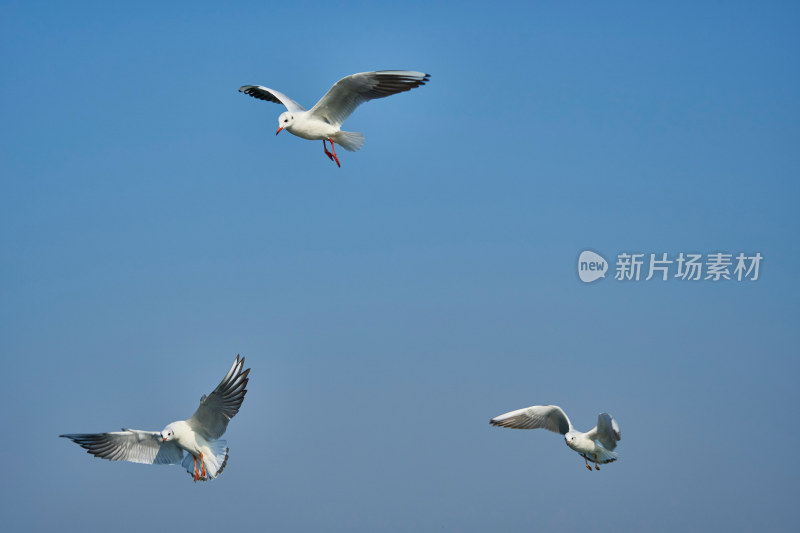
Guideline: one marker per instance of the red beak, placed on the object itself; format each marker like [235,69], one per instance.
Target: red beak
[279,130]
[165,439]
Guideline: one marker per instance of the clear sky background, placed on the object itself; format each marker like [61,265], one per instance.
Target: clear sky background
[152,226]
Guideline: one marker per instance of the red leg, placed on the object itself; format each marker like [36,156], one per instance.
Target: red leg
[587,462]
[596,464]
[333,148]
[203,465]
[325,147]
[196,477]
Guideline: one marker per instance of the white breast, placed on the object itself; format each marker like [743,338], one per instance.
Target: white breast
[309,128]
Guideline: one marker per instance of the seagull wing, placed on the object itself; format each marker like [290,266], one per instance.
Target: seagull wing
[550,417]
[350,92]
[606,431]
[216,409]
[271,95]
[129,445]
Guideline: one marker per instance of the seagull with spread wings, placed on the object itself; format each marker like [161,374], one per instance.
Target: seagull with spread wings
[595,445]
[199,435]
[324,120]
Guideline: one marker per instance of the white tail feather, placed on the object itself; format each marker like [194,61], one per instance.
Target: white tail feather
[214,463]
[603,456]
[352,141]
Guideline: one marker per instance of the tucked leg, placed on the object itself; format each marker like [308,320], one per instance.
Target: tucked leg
[596,464]
[325,147]
[196,476]
[587,462]
[333,149]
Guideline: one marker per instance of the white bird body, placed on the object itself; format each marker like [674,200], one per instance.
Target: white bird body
[309,128]
[595,445]
[582,444]
[199,435]
[187,439]
[324,120]
[585,445]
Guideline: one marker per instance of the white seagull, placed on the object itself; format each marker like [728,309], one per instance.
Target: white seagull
[199,435]
[324,120]
[552,417]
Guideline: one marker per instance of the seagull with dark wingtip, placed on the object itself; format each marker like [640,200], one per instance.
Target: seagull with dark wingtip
[595,445]
[199,435]
[324,120]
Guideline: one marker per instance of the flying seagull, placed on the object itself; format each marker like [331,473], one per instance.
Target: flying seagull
[552,417]
[324,120]
[199,435]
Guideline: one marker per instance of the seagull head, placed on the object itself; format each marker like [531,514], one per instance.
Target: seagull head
[284,121]
[570,437]
[168,433]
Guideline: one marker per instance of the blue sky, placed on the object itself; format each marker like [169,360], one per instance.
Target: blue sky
[153,226]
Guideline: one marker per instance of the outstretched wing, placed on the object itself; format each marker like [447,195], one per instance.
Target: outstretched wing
[607,431]
[271,95]
[350,92]
[216,409]
[550,417]
[129,445]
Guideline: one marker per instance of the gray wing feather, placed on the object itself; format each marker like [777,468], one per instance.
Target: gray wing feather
[271,95]
[129,445]
[215,410]
[550,417]
[352,91]
[607,431]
